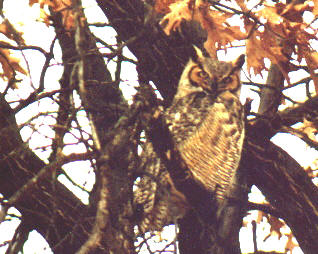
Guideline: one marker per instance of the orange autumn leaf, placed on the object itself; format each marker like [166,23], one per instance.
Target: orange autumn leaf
[162,6]
[31,2]
[255,55]
[260,47]
[5,30]
[9,64]
[315,9]
[283,35]
[242,5]
[57,5]
[290,244]
[276,225]
[267,44]
[62,6]
[311,59]
[10,32]
[219,32]
[179,11]
[294,12]
[260,216]
[270,14]
[276,53]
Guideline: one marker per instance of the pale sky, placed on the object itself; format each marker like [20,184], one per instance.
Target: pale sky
[37,33]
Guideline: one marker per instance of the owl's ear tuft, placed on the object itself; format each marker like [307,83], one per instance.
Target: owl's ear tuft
[196,54]
[238,63]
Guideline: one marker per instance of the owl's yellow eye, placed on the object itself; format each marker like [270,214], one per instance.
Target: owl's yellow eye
[227,80]
[197,75]
[203,74]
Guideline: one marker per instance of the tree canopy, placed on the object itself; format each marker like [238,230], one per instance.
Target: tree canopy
[78,102]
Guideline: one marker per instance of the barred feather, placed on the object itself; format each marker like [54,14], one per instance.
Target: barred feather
[207,123]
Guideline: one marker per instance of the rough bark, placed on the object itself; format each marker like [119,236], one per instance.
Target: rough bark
[271,92]
[286,186]
[160,58]
[104,104]
[125,29]
[216,228]
[19,164]
[280,177]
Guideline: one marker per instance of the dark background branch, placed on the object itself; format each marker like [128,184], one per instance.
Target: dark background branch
[160,60]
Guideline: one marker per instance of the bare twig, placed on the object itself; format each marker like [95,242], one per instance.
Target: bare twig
[45,171]
[303,136]
[6,45]
[250,15]
[264,208]
[254,236]
[33,96]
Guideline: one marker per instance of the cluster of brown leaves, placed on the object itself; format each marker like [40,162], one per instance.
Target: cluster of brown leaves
[62,6]
[275,229]
[220,33]
[310,128]
[312,172]
[10,65]
[274,31]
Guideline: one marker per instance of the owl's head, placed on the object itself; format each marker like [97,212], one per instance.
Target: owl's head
[205,74]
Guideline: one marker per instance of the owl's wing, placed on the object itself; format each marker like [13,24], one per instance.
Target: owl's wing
[155,196]
[210,141]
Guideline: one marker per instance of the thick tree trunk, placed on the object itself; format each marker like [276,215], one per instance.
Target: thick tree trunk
[66,223]
[65,229]
[273,163]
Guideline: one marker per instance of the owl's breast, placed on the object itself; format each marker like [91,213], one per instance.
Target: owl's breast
[213,151]
[186,115]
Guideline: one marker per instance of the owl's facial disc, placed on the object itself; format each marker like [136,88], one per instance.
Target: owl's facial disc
[200,78]
[231,80]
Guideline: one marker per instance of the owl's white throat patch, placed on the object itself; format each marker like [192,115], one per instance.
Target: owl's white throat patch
[177,116]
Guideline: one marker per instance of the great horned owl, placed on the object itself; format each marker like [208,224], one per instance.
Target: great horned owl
[206,120]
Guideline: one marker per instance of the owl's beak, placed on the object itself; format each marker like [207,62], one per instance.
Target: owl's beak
[210,86]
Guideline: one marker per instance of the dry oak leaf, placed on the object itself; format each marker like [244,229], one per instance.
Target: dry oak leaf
[220,33]
[262,45]
[270,14]
[255,55]
[62,6]
[290,245]
[260,216]
[179,11]
[267,44]
[10,32]
[276,225]
[310,128]
[242,5]
[4,29]
[311,59]
[293,12]
[162,6]
[315,9]
[9,64]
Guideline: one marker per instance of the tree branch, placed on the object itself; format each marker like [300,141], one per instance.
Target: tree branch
[285,185]
[270,168]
